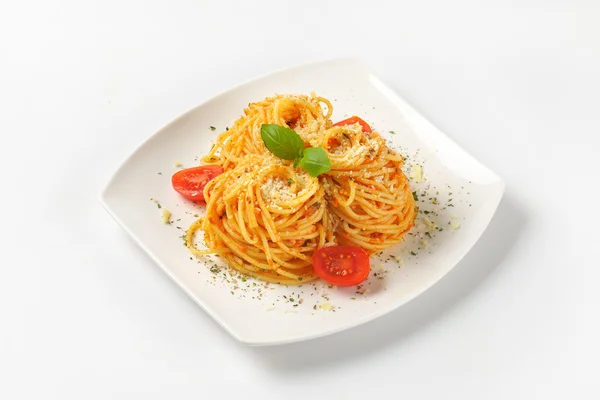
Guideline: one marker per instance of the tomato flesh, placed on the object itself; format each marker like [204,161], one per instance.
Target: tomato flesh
[190,182]
[342,265]
[353,120]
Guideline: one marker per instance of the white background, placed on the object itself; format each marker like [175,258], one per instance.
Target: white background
[84,313]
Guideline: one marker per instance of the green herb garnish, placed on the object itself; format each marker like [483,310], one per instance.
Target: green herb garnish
[287,144]
[212,128]
[282,142]
[315,161]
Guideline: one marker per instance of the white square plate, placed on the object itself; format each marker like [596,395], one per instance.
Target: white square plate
[457,198]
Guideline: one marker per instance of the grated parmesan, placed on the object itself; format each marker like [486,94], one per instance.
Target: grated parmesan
[454,224]
[429,223]
[417,173]
[165,216]
[276,189]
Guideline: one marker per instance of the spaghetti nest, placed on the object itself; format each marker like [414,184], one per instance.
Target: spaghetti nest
[302,113]
[267,218]
[371,201]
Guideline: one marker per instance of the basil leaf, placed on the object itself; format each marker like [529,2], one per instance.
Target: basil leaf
[287,144]
[315,161]
[281,141]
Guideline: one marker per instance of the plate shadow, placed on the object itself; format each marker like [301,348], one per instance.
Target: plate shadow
[486,256]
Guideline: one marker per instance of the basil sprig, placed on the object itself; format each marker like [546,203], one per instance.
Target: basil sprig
[287,144]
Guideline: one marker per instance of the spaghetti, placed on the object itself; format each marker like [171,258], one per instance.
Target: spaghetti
[302,113]
[266,222]
[371,201]
[267,218]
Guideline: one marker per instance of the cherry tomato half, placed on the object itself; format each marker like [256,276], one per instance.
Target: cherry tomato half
[342,265]
[353,120]
[190,182]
